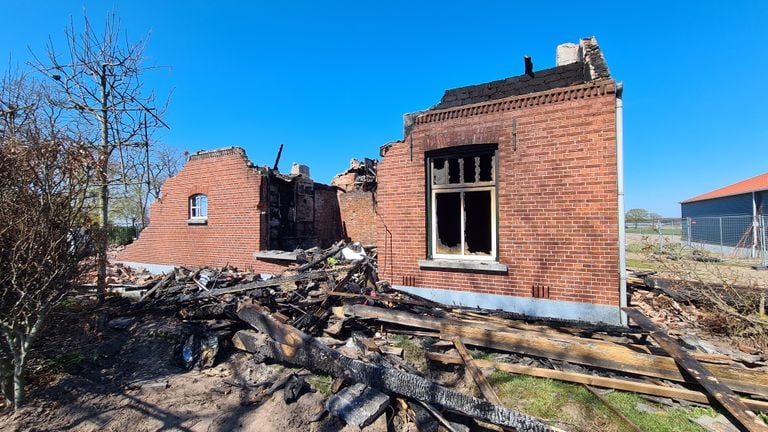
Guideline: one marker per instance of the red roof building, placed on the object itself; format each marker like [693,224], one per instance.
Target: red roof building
[754,184]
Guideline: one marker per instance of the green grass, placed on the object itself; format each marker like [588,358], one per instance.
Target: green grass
[574,405]
[413,352]
[670,419]
[641,264]
[641,248]
[651,231]
[69,304]
[322,383]
[70,362]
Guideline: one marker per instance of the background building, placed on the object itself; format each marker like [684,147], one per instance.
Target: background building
[729,217]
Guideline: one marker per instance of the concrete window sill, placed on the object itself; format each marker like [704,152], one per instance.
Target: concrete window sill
[197,221]
[276,255]
[466,265]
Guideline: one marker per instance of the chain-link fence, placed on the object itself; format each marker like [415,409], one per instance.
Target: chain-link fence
[730,236]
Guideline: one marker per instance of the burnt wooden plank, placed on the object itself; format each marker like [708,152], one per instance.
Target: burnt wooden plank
[477,374]
[287,344]
[589,352]
[698,372]
[594,380]
[600,354]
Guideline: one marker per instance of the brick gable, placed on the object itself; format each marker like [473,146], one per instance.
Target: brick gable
[557,195]
[234,228]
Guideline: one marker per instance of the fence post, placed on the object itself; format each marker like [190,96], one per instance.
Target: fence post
[722,252]
[657,225]
[763,248]
[688,220]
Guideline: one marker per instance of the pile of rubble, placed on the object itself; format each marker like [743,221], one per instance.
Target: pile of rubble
[121,276]
[361,175]
[331,315]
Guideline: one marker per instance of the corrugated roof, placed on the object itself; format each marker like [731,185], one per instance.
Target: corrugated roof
[754,184]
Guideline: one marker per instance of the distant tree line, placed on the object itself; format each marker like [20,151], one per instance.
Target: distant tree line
[638,215]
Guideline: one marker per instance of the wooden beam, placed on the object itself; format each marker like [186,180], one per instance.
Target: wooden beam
[477,374]
[333,250]
[394,316]
[593,380]
[384,298]
[604,355]
[159,286]
[692,367]
[287,344]
[496,324]
[612,408]
[276,281]
[588,352]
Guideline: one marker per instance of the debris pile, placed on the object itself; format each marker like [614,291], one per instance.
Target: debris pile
[332,316]
[361,175]
[120,275]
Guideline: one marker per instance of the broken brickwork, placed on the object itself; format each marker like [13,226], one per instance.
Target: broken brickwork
[245,209]
[357,200]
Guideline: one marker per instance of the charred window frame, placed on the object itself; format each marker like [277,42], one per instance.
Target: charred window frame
[462,185]
[198,209]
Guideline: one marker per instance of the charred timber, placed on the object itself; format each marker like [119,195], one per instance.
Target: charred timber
[289,345]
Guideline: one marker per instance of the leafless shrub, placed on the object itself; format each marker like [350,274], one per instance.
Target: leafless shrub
[44,172]
[733,303]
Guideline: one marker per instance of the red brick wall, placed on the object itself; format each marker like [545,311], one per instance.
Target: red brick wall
[233,232]
[327,216]
[358,216]
[557,195]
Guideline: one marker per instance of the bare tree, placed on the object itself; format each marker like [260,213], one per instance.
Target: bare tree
[151,171]
[44,174]
[100,75]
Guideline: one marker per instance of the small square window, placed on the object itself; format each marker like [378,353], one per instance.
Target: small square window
[198,208]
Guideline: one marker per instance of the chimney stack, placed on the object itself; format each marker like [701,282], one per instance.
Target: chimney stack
[299,169]
[568,53]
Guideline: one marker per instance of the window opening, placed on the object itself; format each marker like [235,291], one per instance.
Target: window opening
[463,197]
[198,207]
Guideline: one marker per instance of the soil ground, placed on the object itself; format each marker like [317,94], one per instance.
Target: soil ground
[95,378]
[86,375]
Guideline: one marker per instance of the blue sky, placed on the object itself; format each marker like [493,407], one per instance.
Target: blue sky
[331,80]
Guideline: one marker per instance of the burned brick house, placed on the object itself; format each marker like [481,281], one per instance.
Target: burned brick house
[221,209]
[507,195]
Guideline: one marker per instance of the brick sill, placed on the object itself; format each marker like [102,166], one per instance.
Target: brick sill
[197,221]
[467,265]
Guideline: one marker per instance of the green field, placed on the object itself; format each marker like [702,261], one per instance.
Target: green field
[651,231]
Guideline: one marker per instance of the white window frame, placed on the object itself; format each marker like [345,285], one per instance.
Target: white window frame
[461,188]
[195,206]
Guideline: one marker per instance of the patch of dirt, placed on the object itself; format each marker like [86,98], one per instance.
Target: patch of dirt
[96,378]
